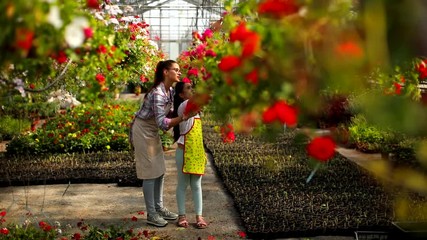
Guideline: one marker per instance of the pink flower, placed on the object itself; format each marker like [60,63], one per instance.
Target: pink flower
[186,80]
[88,32]
[193,72]
[210,53]
[207,34]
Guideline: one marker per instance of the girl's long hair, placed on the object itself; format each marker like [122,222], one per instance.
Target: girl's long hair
[158,75]
[177,100]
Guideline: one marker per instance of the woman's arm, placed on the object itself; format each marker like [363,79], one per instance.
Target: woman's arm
[164,122]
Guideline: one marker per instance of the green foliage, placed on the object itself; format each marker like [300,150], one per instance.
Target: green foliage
[49,45]
[34,229]
[11,127]
[28,232]
[31,110]
[366,137]
[99,126]
[166,138]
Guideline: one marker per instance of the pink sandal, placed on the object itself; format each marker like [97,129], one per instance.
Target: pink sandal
[182,221]
[201,224]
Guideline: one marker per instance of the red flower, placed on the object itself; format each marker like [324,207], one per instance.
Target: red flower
[269,115]
[251,45]
[252,77]
[32,86]
[88,32]
[286,113]
[398,88]
[146,233]
[321,148]
[92,4]
[228,63]
[141,213]
[143,79]
[227,133]
[60,57]
[349,48]
[2,213]
[210,53]
[134,219]
[100,78]
[191,107]
[24,38]
[102,49]
[45,226]
[281,111]
[241,234]
[422,69]
[210,237]
[193,71]
[278,8]
[76,236]
[4,231]
[240,33]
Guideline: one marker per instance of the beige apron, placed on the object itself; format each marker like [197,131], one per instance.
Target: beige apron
[149,156]
[194,153]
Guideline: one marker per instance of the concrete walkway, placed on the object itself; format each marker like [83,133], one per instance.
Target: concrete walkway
[107,204]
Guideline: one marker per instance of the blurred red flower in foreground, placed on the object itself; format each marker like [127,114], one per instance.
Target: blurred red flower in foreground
[24,39]
[229,63]
[278,8]
[321,148]
[281,111]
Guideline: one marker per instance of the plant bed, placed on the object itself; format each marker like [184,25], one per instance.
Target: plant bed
[111,167]
[267,181]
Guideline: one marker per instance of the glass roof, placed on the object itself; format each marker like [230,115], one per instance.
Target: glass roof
[173,21]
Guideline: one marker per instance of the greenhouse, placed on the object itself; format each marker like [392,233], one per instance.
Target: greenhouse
[213,119]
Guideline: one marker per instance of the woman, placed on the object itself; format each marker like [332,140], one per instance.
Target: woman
[190,156]
[149,157]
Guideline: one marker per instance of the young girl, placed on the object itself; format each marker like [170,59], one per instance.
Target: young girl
[190,156]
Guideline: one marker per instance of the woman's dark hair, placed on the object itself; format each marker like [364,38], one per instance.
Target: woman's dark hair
[158,75]
[177,100]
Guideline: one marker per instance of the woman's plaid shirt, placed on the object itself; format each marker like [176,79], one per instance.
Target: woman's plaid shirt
[155,104]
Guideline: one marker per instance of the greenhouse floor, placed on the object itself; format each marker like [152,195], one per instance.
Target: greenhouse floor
[107,204]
